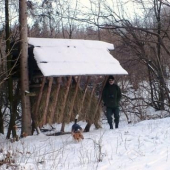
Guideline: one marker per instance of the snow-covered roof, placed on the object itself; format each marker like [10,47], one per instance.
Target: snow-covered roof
[63,57]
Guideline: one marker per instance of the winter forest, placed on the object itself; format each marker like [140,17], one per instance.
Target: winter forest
[139,30]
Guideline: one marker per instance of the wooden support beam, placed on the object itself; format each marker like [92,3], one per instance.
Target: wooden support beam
[74,97]
[91,96]
[55,98]
[44,120]
[27,93]
[64,103]
[39,98]
[35,114]
[84,95]
[89,121]
[99,103]
[35,85]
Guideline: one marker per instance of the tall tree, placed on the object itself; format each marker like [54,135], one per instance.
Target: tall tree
[26,110]
[9,68]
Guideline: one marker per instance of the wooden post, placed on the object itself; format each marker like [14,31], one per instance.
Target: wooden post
[39,97]
[74,97]
[44,120]
[55,98]
[84,95]
[37,106]
[64,103]
[89,122]
[99,103]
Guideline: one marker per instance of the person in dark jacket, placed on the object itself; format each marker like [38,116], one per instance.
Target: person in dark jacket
[111,97]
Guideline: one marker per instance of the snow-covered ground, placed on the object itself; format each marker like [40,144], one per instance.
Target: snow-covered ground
[141,146]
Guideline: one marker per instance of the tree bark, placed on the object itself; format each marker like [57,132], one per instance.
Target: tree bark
[1,122]
[26,109]
[9,68]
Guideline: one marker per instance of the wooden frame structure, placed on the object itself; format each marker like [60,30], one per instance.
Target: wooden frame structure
[70,85]
[69,79]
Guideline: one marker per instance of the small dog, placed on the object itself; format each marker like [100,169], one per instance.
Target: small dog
[77,130]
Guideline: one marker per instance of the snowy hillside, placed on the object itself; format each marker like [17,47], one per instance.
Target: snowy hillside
[141,146]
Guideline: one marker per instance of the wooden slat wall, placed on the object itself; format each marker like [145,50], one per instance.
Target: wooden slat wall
[61,82]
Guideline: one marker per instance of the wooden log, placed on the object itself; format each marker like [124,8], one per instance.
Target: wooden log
[58,133]
[55,98]
[47,101]
[64,103]
[31,94]
[35,85]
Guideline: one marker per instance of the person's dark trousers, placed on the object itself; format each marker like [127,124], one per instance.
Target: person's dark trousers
[109,113]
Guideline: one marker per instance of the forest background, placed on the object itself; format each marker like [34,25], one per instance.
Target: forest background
[140,32]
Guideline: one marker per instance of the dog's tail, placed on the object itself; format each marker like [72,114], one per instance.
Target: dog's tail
[77,116]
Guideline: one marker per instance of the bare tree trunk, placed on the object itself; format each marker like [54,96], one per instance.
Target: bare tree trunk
[26,110]
[157,7]
[1,121]
[10,82]
[12,124]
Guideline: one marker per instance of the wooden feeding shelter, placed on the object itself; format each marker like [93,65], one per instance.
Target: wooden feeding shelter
[67,76]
